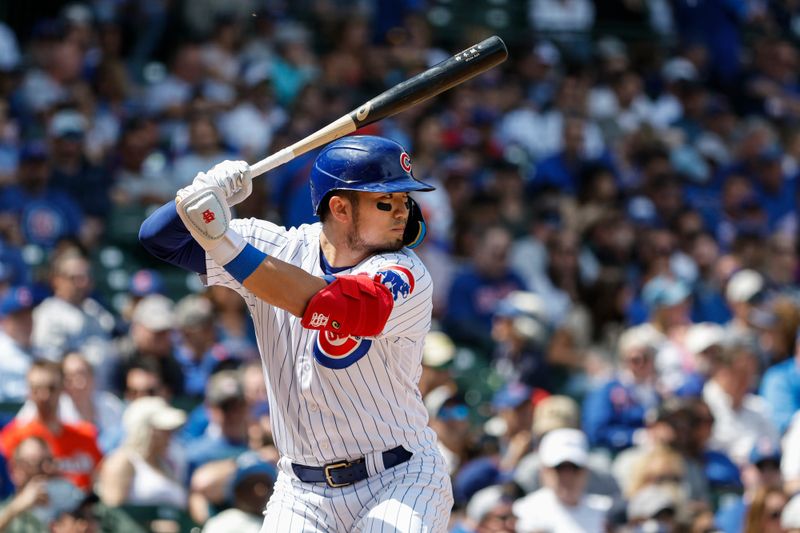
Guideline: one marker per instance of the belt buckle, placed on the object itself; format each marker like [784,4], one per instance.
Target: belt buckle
[334,466]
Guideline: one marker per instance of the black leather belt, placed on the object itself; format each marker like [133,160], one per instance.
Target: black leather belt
[345,473]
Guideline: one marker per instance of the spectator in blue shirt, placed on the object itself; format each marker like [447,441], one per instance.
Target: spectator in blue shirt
[198,352]
[477,290]
[780,386]
[226,435]
[44,215]
[614,412]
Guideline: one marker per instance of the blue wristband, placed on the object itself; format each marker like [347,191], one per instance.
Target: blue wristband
[244,264]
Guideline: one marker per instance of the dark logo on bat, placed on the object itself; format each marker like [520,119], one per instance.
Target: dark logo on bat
[363,111]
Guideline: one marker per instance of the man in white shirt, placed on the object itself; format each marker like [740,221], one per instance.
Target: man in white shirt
[562,505]
[16,325]
[740,417]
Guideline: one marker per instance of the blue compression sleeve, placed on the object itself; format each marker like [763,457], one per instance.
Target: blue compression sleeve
[164,235]
[244,264]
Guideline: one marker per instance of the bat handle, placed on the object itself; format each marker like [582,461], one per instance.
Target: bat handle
[275,160]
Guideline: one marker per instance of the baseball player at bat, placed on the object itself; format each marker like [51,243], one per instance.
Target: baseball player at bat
[341,308]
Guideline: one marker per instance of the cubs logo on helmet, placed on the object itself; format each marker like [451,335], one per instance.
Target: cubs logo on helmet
[339,351]
[397,279]
[405,162]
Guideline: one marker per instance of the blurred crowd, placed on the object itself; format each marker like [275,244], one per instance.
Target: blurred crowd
[613,241]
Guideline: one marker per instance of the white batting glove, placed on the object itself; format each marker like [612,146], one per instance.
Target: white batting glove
[233,177]
[206,215]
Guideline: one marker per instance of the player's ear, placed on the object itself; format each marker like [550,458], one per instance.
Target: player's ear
[341,208]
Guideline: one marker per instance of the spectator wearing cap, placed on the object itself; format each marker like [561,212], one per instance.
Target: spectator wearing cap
[74,445]
[489,511]
[226,435]
[780,387]
[71,319]
[521,331]
[438,353]
[448,416]
[475,475]
[740,417]
[614,412]
[43,212]
[514,407]
[760,475]
[678,75]
[145,470]
[247,489]
[144,282]
[562,412]
[198,351]
[150,339]
[16,326]
[75,174]
[668,303]
[704,343]
[656,506]
[745,292]
[562,503]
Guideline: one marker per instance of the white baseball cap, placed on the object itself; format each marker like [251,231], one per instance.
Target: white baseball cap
[700,337]
[564,446]
[744,286]
[482,502]
[153,411]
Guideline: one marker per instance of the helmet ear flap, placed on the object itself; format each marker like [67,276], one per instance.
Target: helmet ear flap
[416,229]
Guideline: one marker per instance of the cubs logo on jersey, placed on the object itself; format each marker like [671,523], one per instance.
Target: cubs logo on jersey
[397,279]
[339,351]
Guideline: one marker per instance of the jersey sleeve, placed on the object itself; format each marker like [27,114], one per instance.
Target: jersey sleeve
[270,238]
[405,275]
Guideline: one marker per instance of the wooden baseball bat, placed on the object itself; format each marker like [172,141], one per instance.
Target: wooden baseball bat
[437,79]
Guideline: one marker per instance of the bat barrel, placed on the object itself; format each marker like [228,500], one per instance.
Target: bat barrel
[437,79]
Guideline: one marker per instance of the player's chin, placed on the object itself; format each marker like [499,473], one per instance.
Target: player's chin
[392,246]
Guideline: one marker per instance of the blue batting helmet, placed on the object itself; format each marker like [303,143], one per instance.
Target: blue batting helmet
[362,163]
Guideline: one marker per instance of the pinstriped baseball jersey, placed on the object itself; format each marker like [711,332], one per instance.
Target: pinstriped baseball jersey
[331,397]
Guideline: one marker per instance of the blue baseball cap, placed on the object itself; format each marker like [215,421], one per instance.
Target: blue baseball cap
[475,475]
[145,282]
[512,396]
[33,151]
[662,291]
[16,299]
[249,464]
[765,449]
